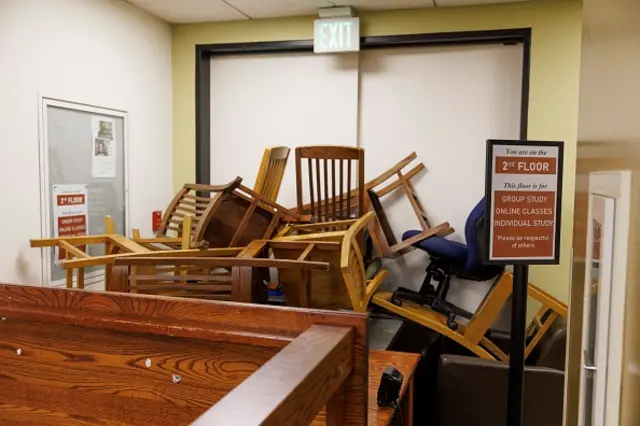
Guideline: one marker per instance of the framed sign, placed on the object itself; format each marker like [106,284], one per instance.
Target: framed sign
[523,202]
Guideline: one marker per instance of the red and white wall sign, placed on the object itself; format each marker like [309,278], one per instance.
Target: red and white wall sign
[70,213]
[524,188]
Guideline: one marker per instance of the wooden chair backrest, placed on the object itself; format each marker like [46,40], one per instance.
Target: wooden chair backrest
[352,264]
[75,357]
[192,200]
[271,172]
[331,174]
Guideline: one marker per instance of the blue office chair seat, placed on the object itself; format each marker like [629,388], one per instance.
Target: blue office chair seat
[441,247]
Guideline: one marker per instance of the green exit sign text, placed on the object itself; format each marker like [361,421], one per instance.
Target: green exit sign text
[336,35]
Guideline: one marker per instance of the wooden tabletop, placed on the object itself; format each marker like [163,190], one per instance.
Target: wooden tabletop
[405,363]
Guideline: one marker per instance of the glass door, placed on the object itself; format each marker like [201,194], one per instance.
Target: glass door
[597,305]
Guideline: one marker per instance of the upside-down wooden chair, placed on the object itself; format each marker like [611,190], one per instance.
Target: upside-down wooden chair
[118,247]
[380,230]
[234,216]
[473,335]
[74,251]
[203,202]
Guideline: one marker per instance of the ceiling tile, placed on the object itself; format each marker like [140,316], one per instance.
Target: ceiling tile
[277,8]
[365,5]
[447,3]
[183,11]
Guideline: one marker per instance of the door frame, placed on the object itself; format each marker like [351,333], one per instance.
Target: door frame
[603,308]
[45,185]
[616,185]
[204,53]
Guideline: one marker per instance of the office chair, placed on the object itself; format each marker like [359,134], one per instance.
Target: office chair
[448,259]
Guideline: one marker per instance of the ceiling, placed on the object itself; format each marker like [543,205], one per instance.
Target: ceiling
[187,11]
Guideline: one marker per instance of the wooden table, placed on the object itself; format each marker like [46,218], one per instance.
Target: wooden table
[406,363]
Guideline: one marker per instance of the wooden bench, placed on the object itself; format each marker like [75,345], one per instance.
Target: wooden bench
[71,357]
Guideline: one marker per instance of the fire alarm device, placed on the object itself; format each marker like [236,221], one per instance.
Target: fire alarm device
[156,220]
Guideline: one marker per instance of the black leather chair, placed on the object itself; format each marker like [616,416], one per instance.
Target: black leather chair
[473,391]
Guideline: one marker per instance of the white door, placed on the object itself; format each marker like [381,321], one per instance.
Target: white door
[597,306]
[606,279]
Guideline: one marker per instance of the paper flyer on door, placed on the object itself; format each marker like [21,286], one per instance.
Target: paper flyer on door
[70,213]
[103,147]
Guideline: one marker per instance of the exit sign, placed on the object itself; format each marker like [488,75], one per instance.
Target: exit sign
[336,35]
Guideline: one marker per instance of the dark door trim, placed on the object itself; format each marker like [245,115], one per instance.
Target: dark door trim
[204,53]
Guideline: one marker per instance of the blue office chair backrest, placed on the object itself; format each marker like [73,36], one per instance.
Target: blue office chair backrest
[471,234]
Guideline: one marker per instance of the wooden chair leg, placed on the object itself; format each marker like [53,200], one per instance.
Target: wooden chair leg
[305,291]
[69,278]
[109,227]
[81,278]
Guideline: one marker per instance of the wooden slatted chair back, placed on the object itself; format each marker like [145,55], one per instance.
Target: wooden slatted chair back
[192,200]
[271,172]
[331,174]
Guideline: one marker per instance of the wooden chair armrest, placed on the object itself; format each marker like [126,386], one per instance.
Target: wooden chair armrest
[318,236]
[320,225]
[373,284]
[158,240]
[440,230]
[76,241]
[316,363]
[295,218]
[221,262]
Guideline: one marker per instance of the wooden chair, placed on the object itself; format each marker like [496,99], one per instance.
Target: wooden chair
[233,216]
[74,250]
[473,335]
[271,172]
[239,278]
[330,174]
[377,181]
[380,230]
[71,357]
[343,285]
[199,200]
[353,269]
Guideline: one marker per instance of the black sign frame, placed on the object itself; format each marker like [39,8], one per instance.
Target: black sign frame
[491,143]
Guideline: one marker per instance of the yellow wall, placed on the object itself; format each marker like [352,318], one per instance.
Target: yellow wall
[555,67]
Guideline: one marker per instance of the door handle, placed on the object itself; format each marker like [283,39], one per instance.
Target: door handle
[588,367]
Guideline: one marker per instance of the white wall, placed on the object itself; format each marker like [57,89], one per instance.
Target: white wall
[443,103]
[100,52]
[292,99]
